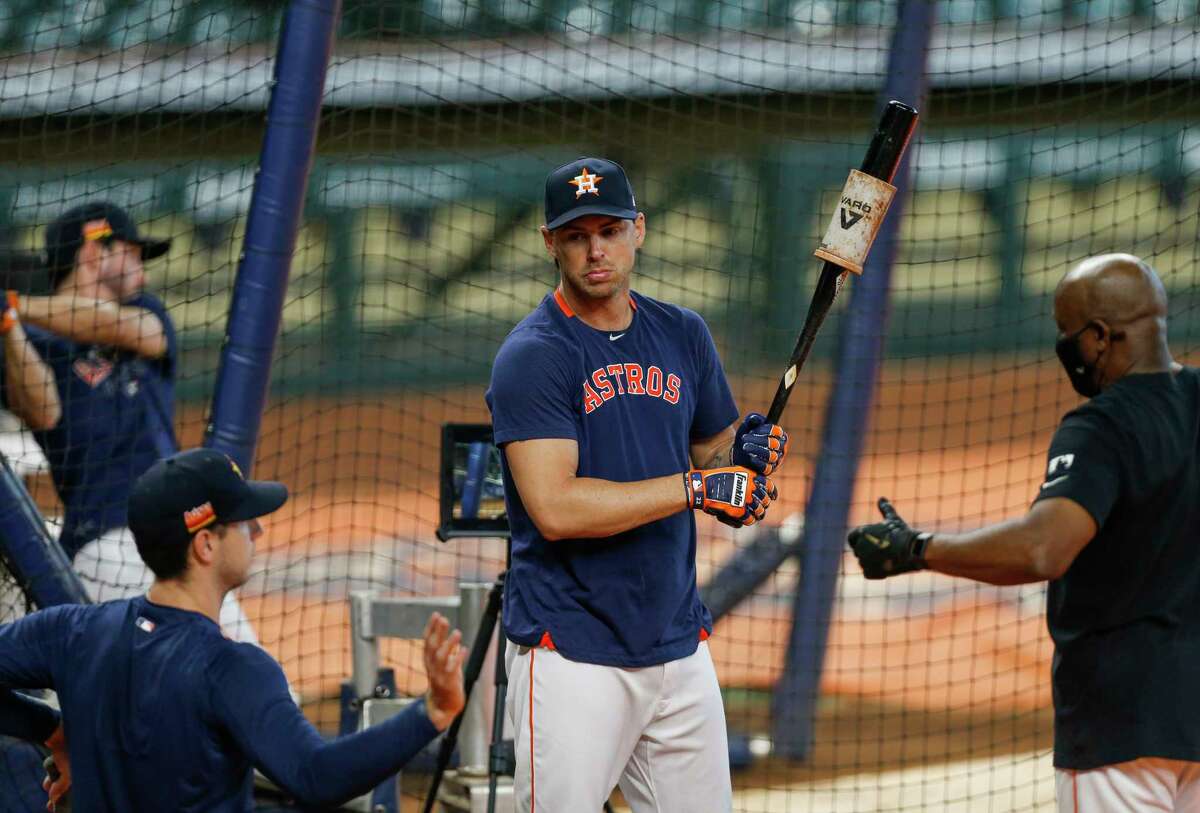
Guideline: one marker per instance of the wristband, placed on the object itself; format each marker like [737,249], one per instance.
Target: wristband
[919,544]
[693,489]
[10,312]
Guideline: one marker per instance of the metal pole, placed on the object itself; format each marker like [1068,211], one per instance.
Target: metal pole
[364,647]
[473,737]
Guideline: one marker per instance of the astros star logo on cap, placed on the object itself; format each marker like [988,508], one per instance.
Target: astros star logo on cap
[586,182]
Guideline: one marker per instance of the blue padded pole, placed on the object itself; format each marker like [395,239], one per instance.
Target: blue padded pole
[847,413]
[34,558]
[275,210]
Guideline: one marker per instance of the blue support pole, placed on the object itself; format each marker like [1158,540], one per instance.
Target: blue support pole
[31,554]
[859,354]
[275,210]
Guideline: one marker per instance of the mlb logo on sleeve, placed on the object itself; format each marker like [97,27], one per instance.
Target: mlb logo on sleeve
[1057,472]
[1060,463]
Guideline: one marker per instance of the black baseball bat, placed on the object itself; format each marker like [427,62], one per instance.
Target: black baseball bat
[895,128]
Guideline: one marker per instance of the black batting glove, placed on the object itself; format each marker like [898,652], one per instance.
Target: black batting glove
[890,547]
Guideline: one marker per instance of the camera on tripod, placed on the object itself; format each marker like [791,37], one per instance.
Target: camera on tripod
[471,501]
[471,484]
[471,505]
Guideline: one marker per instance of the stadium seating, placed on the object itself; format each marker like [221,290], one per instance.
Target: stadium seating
[391,242]
[115,24]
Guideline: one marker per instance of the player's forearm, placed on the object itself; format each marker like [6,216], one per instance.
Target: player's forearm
[31,390]
[1007,553]
[94,321]
[714,452]
[325,773]
[590,508]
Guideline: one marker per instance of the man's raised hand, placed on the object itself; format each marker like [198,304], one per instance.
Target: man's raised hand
[444,656]
[890,547]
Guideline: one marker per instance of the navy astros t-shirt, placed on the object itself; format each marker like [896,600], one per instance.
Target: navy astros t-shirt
[1125,617]
[634,401]
[118,412]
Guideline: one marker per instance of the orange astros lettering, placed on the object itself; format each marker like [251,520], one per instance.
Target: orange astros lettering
[633,374]
[630,379]
[617,372]
[654,382]
[671,396]
[590,399]
[602,385]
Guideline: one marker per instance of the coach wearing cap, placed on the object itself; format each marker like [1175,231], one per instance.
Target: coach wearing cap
[163,712]
[91,370]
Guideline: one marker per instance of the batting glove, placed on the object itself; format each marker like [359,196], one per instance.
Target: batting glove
[734,495]
[890,547]
[759,445]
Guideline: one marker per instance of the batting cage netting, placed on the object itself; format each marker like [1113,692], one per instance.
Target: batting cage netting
[1050,130]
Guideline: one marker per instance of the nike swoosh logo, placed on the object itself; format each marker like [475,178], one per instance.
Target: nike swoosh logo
[1049,483]
[613,338]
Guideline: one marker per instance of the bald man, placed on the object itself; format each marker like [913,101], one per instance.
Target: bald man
[1115,529]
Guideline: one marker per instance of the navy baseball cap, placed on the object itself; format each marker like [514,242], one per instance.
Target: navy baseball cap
[588,186]
[104,221]
[178,496]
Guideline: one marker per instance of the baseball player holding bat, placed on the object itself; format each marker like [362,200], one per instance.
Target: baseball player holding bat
[1113,529]
[614,418]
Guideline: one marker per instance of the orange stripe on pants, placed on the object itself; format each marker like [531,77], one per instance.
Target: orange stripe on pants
[532,786]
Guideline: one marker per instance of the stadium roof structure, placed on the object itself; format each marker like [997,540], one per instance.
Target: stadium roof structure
[197,80]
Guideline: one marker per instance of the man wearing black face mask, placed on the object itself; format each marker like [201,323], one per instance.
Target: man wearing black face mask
[1114,530]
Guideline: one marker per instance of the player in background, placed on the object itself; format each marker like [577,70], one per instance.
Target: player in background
[1113,529]
[614,417]
[91,371]
[163,712]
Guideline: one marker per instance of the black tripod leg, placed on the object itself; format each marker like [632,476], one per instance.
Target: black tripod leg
[497,759]
[479,648]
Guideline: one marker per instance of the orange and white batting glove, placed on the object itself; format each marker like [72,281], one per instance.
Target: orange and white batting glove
[735,495]
[10,312]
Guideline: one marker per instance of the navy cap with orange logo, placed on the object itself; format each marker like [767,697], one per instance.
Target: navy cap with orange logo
[178,496]
[588,186]
[95,220]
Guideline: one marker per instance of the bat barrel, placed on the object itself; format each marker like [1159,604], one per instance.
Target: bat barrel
[883,156]
[895,128]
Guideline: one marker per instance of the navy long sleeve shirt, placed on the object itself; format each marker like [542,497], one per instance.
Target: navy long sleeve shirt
[162,712]
[25,717]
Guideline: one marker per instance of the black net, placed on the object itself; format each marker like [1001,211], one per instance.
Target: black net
[1052,131]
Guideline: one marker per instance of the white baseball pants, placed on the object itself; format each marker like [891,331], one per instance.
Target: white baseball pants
[581,729]
[1147,785]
